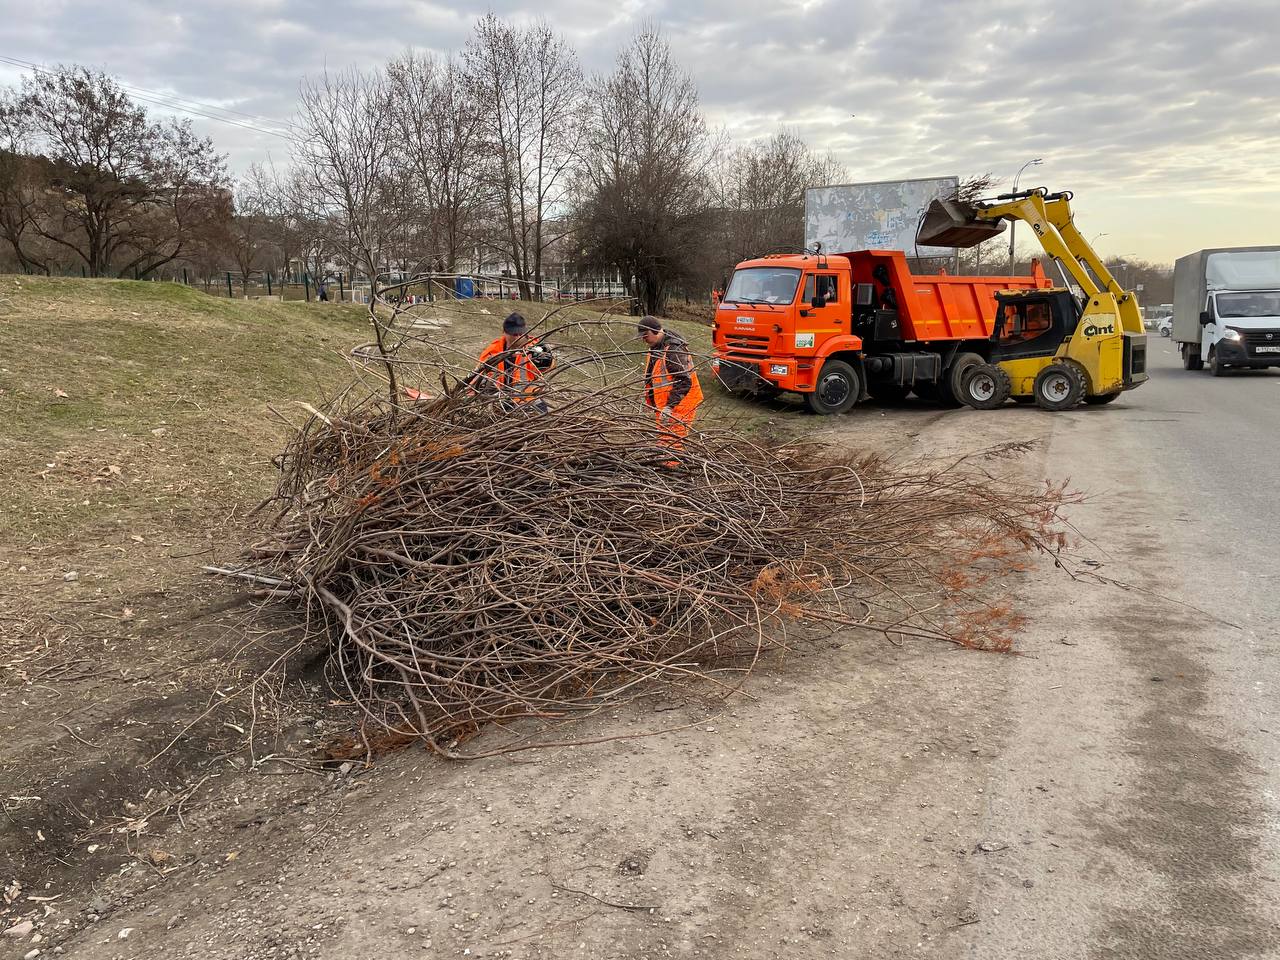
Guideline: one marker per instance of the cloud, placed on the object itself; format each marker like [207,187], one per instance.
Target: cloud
[1169,103]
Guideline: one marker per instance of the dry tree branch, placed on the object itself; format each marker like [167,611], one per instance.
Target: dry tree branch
[485,556]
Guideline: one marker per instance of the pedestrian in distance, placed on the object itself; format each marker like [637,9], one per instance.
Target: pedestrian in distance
[513,365]
[671,384]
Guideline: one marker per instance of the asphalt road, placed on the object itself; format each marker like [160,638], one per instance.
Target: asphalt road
[1138,785]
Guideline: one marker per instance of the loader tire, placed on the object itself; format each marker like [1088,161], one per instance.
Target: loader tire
[986,386]
[1099,399]
[837,389]
[1191,359]
[1059,386]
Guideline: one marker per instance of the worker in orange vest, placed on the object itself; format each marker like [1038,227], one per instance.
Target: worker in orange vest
[514,363]
[671,384]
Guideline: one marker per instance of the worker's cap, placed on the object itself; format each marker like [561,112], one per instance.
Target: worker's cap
[514,324]
[648,324]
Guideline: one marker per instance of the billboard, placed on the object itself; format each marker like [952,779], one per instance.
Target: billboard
[874,216]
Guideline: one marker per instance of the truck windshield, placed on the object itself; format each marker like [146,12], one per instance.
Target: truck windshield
[763,285]
[1261,303]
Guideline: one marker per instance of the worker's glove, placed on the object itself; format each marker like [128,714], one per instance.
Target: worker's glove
[541,357]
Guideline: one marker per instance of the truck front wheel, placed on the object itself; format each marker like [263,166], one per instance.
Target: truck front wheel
[1216,366]
[837,388]
[1191,359]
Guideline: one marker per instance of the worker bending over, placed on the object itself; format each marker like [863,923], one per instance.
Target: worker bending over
[513,364]
[670,382]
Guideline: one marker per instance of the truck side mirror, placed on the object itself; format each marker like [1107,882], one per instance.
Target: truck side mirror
[818,301]
[1206,316]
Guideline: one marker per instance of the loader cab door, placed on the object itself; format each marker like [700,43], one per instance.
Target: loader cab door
[1033,325]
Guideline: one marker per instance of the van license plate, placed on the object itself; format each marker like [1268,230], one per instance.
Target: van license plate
[1266,349]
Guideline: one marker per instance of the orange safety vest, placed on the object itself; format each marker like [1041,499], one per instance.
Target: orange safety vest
[659,380]
[511,371]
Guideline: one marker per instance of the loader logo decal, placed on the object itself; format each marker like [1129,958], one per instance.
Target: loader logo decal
[1097,329]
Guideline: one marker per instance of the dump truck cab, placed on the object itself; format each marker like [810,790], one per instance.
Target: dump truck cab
[780,317]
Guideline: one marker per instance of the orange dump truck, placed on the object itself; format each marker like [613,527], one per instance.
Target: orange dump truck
[837,328]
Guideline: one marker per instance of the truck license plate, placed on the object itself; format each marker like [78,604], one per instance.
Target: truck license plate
[1266,349]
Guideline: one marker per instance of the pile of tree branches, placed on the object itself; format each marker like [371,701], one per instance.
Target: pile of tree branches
[475,560]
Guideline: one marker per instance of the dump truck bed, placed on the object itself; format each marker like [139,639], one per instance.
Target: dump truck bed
[939,306]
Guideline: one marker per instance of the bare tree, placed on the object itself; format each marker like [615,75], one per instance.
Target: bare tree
[122,194]
[646,172]
[760,196]
[439,141]
[528,86]
[250,230]
[22,180]
[187,190]
[276,196]
[344,156]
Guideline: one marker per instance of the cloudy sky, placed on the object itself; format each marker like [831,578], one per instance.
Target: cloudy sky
[1163,117]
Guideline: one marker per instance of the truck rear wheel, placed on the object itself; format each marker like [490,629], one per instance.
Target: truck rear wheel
[1191,359]
[986,387]
[837,388]
[1059,386]
[951,386]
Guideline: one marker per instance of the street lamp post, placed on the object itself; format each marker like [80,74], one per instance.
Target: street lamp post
[1013,223]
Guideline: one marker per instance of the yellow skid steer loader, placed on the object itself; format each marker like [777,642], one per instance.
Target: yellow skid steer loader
[1056,347]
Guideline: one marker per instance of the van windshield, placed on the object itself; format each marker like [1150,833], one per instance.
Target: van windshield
[763,285]
[1262,303]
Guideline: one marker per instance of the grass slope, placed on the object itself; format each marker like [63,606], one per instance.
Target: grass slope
[166,385]
[127,402]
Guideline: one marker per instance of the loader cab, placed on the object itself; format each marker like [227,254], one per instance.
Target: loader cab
[1033,323]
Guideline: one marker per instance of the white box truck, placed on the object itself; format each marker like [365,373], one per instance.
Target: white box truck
[1226,308]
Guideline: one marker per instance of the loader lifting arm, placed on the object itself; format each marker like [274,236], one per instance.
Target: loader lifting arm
[954,223]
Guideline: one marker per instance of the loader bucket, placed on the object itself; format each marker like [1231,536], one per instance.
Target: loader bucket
[952,223]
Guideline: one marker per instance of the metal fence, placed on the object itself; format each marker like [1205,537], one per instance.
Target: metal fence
[345,287]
